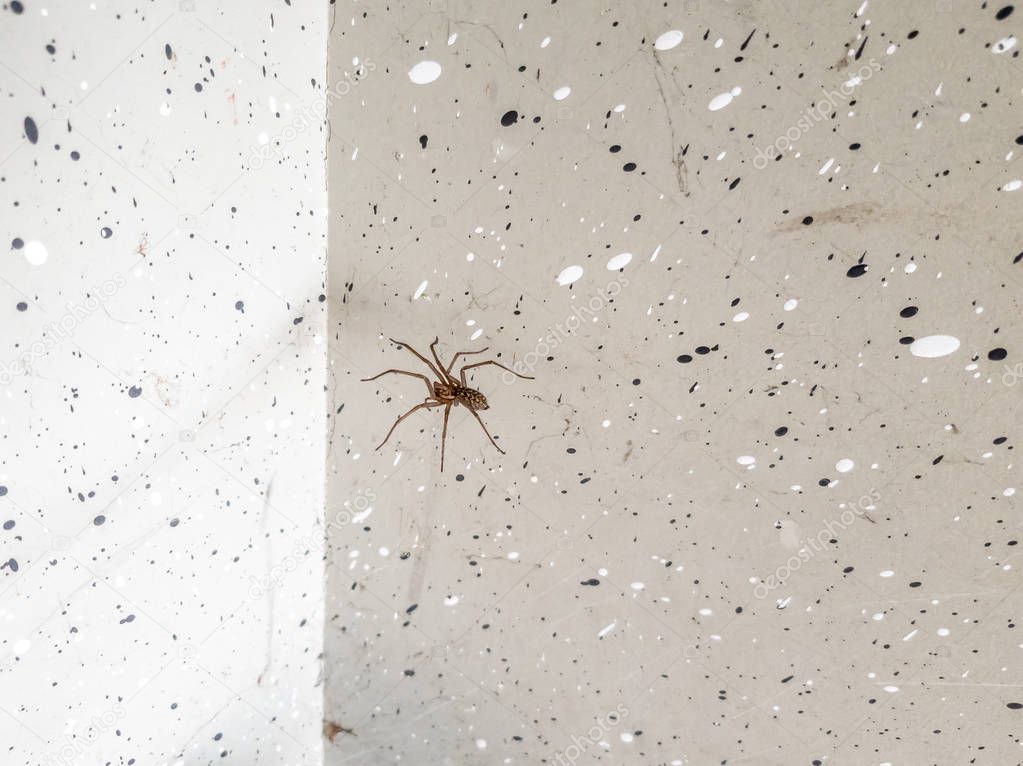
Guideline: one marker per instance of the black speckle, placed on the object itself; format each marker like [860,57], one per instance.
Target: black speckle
[1014,705]
[198,87]
[423,140]
[908,312]
[17,243]
[22,306]
[628,167]
[106,232]
[615,148]
[509,118]
[684,359]
[808,220]
[781,431]
[240,305]
[135,392]
[168,51]
[31,131]
[99,520]
[857,271]
[997,354]
[1004,12]
[17,7]
[9,524]
[592,581]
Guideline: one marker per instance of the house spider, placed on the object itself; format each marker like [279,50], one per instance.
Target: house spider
[447,390]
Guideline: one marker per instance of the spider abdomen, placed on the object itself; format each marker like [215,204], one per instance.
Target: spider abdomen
[471,398]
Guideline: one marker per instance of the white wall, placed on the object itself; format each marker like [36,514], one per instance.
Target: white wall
[161,450]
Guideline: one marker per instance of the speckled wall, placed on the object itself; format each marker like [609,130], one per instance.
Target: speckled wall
[758,505]
[162,364]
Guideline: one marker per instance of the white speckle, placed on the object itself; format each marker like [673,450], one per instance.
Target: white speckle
[1013,185]
[470,257]
[934,346]
[165,108]
[1009,492]
[21,647]
[745,460]
[790,304]
[606,423]
[545,42]
[862,8]
[910,268]
[451,600]
[964,117]
[909,635]
[826,167]
[36,252]
[384,551]
[569,275]
[481,744]
[887,573]
[878,616]
[620,261]
[706,612]
[637,586]
[424,72]
[452,37]
[722,100]
[742,316]
[668,40]
[420,290]
[607,629]
[891,689]
[844,465]
[562,93]
[1003,45]
[625,736]
[513,556]
[156,499]
[619,108]
[943,632]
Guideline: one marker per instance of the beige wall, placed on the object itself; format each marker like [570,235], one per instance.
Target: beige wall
[657,572]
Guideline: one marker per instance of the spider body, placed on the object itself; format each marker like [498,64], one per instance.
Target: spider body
[467,397]
[447,390]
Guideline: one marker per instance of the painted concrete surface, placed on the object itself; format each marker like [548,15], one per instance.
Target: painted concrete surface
[161,388]
[759,504]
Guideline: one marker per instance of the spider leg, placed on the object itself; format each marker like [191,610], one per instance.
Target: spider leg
[425,379]
[433,350]
[480,421]
[463,353]
[428,404]
[443,435]
[421,358]
[496,364]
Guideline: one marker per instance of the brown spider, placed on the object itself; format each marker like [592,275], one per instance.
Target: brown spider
[447,390]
